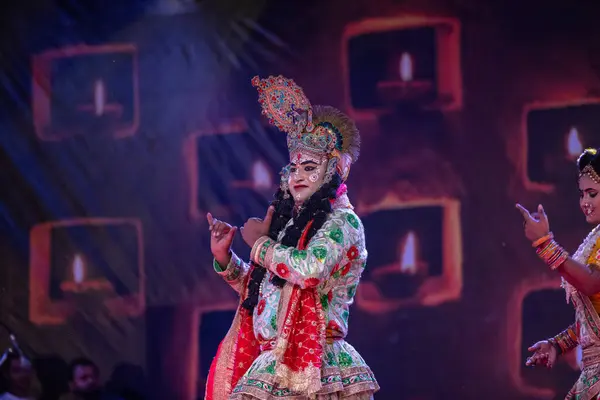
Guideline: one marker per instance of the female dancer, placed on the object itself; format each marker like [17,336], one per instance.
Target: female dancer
[287,338]
[581,279]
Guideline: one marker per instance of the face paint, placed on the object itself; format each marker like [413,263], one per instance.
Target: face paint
[305,179]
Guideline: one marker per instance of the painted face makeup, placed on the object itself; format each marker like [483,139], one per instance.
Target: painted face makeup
[589,201]
[305,179]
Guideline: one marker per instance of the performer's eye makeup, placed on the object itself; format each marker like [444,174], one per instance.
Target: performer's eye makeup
[309,168]
[591,192]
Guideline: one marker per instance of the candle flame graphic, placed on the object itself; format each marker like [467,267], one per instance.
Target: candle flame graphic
[78,269]
[408,260]
[261,176]
[406,67]
[99,97]
[574,145]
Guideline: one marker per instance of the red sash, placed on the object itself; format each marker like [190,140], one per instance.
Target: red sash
[298,367]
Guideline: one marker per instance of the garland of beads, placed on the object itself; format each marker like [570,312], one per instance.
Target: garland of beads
[265,295]
[581,256]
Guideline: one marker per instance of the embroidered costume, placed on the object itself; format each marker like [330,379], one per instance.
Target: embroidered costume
[585,332]
[289,342]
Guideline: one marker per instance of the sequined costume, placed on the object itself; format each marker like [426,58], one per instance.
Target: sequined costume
[291,345]
[585,332]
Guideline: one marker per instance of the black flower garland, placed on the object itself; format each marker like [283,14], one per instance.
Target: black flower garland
[315,209]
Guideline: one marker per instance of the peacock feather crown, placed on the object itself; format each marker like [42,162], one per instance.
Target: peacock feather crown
[315,133]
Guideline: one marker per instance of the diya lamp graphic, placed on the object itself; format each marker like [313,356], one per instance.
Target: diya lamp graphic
[260,179]
[439,88]
[415,278]
[573,144]
[558,166]
[409,261]
[547,165]
[80,284]
[406,275]
[100,107]
[404,88]
[84,285]
[102,104]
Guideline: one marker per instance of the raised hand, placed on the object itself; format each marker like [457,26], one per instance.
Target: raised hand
[255,228]
[221,237]
[536,225]
[544,353]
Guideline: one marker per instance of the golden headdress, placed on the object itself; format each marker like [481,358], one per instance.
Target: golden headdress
[316,133]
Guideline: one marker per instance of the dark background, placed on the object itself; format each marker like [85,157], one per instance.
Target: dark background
[497,88]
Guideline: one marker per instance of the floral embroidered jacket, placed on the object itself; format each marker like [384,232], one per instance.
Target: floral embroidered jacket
[292,345]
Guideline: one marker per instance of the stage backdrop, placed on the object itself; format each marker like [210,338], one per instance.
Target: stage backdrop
[125,122]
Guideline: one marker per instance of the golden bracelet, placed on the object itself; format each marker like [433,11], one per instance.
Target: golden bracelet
[552,254]
[543,240]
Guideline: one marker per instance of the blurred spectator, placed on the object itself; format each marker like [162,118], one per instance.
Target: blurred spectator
[84,382]
[17,377]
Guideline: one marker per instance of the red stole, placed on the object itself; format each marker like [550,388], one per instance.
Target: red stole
[298,366]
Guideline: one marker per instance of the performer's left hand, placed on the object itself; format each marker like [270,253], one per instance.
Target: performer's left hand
[544,353]
[255,228]
[536,224]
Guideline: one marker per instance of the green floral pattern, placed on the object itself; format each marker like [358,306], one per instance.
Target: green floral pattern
[235,273]
[324,302]
[320,253]
[351,291]
[324,260]
[352,220]
[337,235]
[345,360]
[265,315]
[331,359]
[328,248]
[342,366]
[299,255]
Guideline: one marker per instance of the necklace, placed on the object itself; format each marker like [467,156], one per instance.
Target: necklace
[581,256]
[272,289]
[583,252]
[298,208]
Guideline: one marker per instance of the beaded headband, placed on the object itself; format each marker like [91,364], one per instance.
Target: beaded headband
[313,133]
[588,170]
[591,173]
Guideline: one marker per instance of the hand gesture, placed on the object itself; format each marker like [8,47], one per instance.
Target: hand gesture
[544,353]
[221,237]
[536,225]
[254,228]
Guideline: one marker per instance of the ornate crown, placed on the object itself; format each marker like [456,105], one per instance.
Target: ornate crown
[313,133]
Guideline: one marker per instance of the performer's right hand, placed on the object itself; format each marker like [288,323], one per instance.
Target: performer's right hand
[536,225]
[221,237]
[544,353]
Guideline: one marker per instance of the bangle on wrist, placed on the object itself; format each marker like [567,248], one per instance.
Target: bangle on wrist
[556,346]
[564,341]
[552,254]
[543,239]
